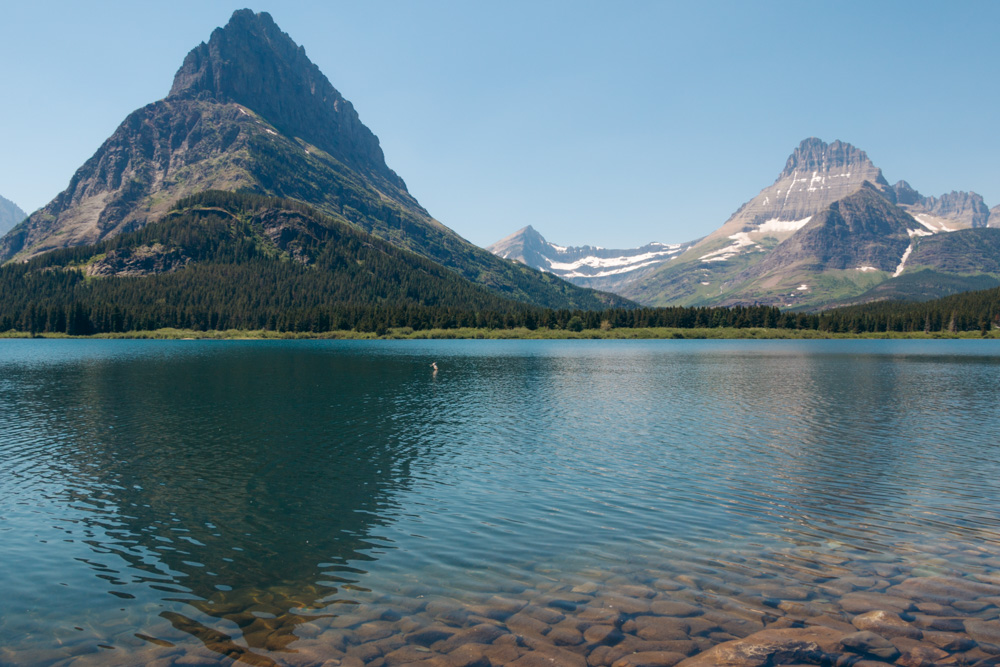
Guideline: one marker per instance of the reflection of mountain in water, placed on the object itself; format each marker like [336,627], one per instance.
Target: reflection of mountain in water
[248,486]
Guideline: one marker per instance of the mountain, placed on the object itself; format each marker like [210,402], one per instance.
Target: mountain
[994,217]
[233,260]
[966,209]
[248,111]
[588,266]
[10,215]
[829,229]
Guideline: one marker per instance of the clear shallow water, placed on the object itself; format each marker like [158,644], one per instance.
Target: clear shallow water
[291,502]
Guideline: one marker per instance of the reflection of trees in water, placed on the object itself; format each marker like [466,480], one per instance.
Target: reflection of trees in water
[244,483]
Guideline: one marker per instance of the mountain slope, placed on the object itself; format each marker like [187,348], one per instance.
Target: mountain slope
[860,234]
[228,260]
[248,111]
[830,228]
[10,215]
[587,266]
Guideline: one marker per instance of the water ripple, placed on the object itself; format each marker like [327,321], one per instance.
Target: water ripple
[173,492]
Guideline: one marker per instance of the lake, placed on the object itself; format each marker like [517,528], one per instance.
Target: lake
[585,502]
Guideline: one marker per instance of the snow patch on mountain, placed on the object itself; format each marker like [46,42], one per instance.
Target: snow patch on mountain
[776,225]
[591,266]
[935,226]
[741,242]
[621,263]
[902,262]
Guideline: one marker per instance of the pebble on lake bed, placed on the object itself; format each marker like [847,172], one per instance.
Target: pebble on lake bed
[633,622]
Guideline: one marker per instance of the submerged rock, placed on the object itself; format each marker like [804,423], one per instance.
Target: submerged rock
[886,624]
[649,659]
[772,647]
[943,590]
[872,644]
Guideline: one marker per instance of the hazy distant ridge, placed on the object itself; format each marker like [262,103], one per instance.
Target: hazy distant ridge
[10,215]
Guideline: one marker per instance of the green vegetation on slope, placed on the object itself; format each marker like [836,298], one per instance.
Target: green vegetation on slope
[227,260]
[248,262]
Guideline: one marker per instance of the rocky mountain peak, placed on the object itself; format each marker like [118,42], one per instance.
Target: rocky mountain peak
[253,63]
[905,194]
[961,209]
[528,234]
[964,206]
[816,174]
[816,155]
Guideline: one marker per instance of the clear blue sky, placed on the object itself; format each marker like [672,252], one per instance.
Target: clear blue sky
[611,123]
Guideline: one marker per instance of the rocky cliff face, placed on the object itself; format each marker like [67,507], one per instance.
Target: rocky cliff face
[253,63]
[10,215]
[954,210]
[160,153]
[816,174]
[248,111]
[588,266]
[962,207]
[862,230]
[861,234]
[994,220]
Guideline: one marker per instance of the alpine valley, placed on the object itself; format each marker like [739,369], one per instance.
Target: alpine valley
[251,192]
[829,231]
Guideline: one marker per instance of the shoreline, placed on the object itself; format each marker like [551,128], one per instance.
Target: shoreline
[659,333]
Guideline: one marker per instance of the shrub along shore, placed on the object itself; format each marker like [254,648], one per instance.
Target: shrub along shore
[520,333]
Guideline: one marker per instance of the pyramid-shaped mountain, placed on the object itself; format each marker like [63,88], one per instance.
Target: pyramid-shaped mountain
[249,112]
[251,62]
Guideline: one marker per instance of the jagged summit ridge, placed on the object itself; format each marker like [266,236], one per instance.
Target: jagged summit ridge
[814,154]
[816,174]
[252,62]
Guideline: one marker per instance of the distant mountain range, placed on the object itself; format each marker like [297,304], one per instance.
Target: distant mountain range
[830,230]
[10,215]
[249,112]
[589,266]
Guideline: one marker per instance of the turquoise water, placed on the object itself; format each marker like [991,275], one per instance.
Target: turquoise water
[261,501]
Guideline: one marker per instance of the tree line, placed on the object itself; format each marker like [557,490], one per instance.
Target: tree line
[211,297]
[252,262]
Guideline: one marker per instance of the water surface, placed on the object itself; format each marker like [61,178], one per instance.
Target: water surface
[293,502]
